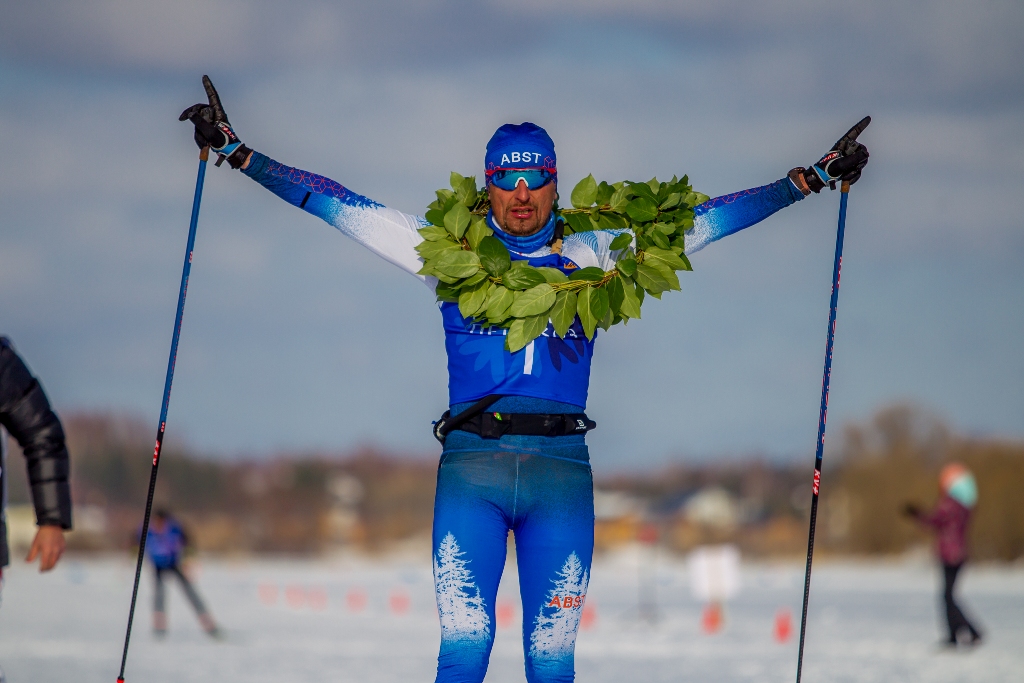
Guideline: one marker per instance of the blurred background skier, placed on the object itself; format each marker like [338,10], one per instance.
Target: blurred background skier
[166,542]
[26,415]
[950,519]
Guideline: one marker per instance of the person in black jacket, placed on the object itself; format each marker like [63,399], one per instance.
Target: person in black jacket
[26,415]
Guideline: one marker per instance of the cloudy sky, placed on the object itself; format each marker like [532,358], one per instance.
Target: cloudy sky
[295,338]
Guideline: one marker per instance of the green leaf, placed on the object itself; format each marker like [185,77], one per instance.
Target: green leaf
[579,222]
[471,301]
[619,199]
[445,292]
[673,200]
[457,220]
[626,265]
[611,221]
[659,238]
[621,242]
[516,339]
[435,216]
[670,275]
[666,228]
[473,280]
[455,180]
[430,250]
[523,277]
[585,193]
[477,231]
[640,209]
[553,275]
[533,301]
[654,185]
[494,256]
[607,320]
[433,233]
[591,273]
[599,303]
[604,193]
[615,293]
[498,302]
[584,303]
[641,190]
[457,263]
[686,261]
[466,191]
[650,279]
[524,330]
[666,256]
[563,312]
[630,306]
[535,326]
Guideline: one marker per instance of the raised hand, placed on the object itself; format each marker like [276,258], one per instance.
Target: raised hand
[843,162]
[213,130]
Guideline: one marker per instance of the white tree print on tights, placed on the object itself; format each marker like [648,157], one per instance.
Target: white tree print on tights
[462,612]
[554,629]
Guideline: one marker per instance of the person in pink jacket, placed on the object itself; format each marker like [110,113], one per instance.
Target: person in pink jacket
[950,518]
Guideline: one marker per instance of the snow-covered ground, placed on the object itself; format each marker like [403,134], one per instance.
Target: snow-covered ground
[359,620]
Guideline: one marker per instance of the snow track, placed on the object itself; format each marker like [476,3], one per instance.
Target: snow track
[355,620]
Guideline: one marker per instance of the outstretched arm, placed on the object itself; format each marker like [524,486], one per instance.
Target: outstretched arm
[721,216]
[386,232]
[390,234]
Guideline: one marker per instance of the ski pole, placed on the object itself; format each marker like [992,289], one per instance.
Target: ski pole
[836,268]
[204,155]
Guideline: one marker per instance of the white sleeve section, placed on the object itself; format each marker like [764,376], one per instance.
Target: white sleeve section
[386,232]
[700,235]
[591,249]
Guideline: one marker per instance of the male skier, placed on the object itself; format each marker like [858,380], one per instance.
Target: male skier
[522,465]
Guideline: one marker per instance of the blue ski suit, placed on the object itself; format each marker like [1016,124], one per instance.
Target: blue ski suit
[538,487]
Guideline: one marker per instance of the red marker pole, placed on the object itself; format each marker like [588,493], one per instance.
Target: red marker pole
[204,155]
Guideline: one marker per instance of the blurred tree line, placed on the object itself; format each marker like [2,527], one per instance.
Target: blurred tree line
[895,458]
[307,503]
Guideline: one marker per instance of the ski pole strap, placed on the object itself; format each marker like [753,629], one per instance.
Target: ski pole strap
[447,423]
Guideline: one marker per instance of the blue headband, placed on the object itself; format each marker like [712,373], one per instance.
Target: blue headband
[524,146]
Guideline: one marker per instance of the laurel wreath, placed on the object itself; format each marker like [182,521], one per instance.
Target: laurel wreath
[475,270]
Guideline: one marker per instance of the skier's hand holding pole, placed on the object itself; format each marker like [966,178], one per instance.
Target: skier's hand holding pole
[844,162]
[213,129]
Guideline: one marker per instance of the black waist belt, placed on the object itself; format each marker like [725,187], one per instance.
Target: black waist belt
[492,425]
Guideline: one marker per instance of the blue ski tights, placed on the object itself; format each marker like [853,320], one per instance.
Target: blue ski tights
[548,504]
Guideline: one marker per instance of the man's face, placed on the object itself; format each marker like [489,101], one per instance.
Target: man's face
[522,211]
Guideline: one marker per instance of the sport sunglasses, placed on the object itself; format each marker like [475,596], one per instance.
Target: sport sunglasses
[508,178]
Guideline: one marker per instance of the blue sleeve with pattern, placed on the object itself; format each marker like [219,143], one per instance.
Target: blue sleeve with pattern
[721,216]
[386,232]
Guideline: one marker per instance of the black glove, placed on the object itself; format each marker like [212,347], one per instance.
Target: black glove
[213,129]
[843,162]
[911,510]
